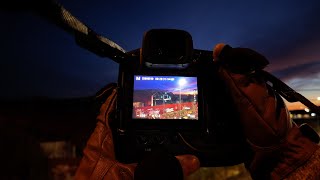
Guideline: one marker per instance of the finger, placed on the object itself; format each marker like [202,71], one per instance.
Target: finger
[189,164]
[258,106]
[132,165]
[109,105]
[105,92]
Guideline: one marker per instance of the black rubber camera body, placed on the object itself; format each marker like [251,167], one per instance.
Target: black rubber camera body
[171,97]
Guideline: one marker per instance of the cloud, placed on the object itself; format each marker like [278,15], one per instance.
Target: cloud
[289,39]
[303,53]
[306,70]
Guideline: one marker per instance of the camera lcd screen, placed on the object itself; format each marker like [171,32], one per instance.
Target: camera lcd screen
[165,97]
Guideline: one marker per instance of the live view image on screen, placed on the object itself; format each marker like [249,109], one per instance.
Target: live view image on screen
[165,97]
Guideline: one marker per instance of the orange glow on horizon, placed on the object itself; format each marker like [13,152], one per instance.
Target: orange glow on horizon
[298,105]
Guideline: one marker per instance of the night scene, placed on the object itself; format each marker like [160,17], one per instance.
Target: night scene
[58,94]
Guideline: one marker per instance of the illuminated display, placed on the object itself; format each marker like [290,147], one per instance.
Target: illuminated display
[165,97]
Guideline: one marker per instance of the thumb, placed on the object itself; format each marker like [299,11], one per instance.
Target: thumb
[189,164]
[239,60]
[108,95]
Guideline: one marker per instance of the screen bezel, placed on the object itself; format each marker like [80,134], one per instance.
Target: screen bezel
[128,122]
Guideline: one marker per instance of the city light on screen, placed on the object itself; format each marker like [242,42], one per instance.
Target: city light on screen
[165,97]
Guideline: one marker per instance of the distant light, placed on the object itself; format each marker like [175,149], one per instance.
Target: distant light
[313,114]
[307,110]
[291,115]
[318,98]
[182,82]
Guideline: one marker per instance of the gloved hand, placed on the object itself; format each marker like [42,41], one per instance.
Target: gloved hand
[99,160]
[280,147]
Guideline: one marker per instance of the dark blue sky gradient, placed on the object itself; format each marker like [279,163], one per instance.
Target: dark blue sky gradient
[39,59]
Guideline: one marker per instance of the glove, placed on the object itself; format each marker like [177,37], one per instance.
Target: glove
[99,162]
[280,147]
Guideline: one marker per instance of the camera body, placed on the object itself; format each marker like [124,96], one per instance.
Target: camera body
[170,96]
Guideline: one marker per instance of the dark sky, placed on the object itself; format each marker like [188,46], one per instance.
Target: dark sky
[39,59]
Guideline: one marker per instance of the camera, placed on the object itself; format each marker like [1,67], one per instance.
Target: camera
[170,96]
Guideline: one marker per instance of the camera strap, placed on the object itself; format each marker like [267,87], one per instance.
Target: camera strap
[288,93]
[85,37]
